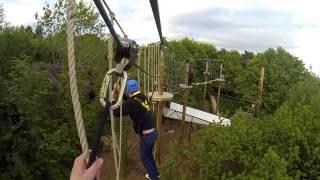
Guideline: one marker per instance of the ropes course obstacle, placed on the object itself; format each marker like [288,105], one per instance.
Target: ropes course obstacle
[155,66]
[126,49]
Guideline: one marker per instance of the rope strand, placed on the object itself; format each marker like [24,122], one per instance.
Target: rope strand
[71,11]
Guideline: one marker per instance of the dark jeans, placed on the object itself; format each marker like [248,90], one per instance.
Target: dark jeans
[146,147]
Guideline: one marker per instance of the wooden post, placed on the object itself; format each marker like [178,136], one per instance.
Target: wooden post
[206,73]
[161,72]
[185,99]
[159,120]
[159,105]
[213,104]
[259,97]
[219,90]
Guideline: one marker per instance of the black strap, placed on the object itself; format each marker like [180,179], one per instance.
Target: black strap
[104,116]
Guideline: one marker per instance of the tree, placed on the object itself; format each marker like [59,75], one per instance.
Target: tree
[54,19]
[246,57]
[3,23]
[284,145]
[282,71]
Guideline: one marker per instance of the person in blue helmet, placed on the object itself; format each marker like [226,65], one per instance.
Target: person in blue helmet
[135,105]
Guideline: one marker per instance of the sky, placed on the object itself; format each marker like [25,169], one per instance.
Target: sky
[252,25]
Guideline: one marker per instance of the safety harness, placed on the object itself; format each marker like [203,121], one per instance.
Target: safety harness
[144,104]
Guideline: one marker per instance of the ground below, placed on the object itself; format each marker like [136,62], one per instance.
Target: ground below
[170,132]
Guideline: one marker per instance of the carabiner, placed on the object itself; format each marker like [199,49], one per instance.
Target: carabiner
[106,84]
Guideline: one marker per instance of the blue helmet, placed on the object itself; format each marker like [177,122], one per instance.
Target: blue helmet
[132,86]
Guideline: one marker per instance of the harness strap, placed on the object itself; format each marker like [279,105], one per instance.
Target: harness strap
[144,104]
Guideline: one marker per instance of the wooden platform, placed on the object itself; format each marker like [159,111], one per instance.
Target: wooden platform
[194,115]
[166,96]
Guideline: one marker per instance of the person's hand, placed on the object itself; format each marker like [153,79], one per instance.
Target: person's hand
[117,87]
[80,171]
[115,91]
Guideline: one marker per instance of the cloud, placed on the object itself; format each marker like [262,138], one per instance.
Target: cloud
[249,29]
[243,24]
[20,12]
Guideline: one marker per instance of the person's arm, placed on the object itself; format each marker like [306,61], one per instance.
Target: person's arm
[80,171]
[127,107]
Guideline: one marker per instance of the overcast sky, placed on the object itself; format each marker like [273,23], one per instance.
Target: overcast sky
[252,25]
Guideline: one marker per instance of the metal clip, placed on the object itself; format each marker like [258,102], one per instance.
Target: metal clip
[106,84]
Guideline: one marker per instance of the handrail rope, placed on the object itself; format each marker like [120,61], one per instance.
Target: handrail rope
[208,82]
[186,58]
[71,11]
[177,92]
[174,59]
[211,60]
[176,51]
[237,99]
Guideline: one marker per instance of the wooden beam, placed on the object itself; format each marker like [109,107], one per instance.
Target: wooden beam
[206,73]
[219,90]
[185,100]
[159,106]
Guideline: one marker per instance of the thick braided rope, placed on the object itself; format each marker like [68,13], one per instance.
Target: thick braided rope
[115,146]
[110,59]
[71,11]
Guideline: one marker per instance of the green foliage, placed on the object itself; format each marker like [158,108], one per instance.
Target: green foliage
[2,17]
[282,71]
[192,50]
[281,146]
[232,69]
[37,130]
[54,19]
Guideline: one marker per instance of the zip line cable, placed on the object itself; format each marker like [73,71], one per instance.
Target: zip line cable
[156,15]
[113,17]
[106,19]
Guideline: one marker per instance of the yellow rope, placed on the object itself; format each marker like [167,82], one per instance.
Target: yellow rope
[149,52]
[144,67]
[71,11]
[139,63]
[154,64]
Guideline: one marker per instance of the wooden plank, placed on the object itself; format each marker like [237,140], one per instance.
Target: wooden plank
[200,117]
